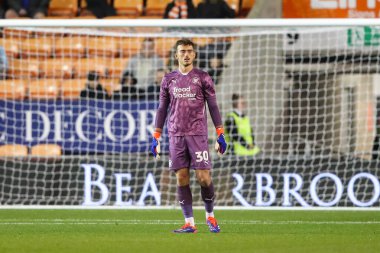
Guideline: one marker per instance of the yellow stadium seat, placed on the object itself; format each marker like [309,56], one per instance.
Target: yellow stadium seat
[73,47]
[12,89]
[46,150]
[63,8]
[71,88]
[13,150]
[43,89]
[131,8]
[37,47]
[57,68]
[156,7]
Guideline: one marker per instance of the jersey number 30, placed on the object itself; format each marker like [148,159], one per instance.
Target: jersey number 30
[202,156]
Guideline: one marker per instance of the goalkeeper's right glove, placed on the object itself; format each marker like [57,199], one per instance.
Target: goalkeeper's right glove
[155,148]
[220,145]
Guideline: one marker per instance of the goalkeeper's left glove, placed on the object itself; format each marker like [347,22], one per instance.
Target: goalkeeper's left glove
[155,148]
[220,145]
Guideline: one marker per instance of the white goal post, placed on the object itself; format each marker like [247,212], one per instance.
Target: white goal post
[312,89]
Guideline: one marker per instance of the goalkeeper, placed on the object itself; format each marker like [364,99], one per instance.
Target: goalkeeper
[185,92]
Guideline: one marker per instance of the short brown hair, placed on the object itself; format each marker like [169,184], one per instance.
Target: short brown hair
[184,42]
[235,99]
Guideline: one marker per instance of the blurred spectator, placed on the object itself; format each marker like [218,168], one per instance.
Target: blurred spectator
[215,67]
[219,46]
[239,132]
[154,88]
[142,65]
[180,9]
[100,8]
[93,88]
[214,9]
[128,90]
[2,9]
[27,8]
[3,64]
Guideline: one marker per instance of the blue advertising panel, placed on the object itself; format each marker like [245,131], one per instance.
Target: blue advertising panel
[79,126]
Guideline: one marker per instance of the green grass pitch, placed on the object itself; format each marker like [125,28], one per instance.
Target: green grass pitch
[150,231]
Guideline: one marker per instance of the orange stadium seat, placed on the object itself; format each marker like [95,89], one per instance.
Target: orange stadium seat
[73,47]
[16,33]
[12,89]
[46,150]
[57,68]
[43,89]
[11,46]
[200,42]
[23,68]
[129,46]
[196,2]
[111,85]
[83,66]
[116,66]
[63,8]
[37,47]
[246,6]
[71,88]
[102,46]
[131,8]
[156,7]
[164,45]
[13,150]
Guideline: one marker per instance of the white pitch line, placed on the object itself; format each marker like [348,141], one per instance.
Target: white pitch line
[173,222]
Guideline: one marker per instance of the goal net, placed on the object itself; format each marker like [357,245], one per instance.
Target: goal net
[77,109]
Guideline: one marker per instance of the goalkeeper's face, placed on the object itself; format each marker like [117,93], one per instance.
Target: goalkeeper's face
[185,55]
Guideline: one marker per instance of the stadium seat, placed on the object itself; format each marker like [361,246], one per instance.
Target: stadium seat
[13,150]
[71,88]
[83,66]
[57,68]
[11,46]
[200,42]
[73,47]
[196,2]
[116,66]
[164,45]
[16,33]
[37,47]
[63,8]
[12,89]
[43,89]
[111,85]
[102,46]
[46,150]
[129,46]
[131,8]
[156,7]
[23,68]
[246,7]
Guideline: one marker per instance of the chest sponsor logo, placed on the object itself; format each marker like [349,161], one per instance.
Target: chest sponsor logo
[183,93]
